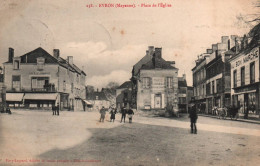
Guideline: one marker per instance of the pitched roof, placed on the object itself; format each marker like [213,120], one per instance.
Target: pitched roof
[96,96]
[31,57]
[156,63]
[126,84]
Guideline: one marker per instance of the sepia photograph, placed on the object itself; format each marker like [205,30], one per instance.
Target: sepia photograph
[129,82]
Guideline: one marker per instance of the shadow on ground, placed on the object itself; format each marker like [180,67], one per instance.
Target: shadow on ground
[139,144]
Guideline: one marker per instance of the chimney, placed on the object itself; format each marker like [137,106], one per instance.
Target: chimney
[184,76]
[147,52]
[56,53]
[150,49]
[172,63]
[214,47]
[209,51]
[158,52]
[70,60]
[11,55]
[153,59]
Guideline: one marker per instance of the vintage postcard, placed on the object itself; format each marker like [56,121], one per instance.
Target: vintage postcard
[129,82]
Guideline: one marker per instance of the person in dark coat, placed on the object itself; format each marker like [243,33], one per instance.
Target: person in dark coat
[113,114]
[53,110]
[193,119]
[8,110]
[123,112]
[58,109]
[130,115]
[102,114]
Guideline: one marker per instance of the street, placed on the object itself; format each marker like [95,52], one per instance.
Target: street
[78,138]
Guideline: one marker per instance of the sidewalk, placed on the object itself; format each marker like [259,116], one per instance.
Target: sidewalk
[239,119]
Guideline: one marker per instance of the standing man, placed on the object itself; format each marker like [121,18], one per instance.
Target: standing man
[58,109]
[193,118]
[123,112]
[130,115]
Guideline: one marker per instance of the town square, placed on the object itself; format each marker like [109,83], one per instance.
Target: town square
[136,83]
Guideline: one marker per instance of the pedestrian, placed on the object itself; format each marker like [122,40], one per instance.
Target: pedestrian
[8,110]
[113,114]
[193,118]
[130,115]
[102,114]
[123,112]
[53,109]
[58,109]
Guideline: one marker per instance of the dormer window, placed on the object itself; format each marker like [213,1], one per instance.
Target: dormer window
[40,63]
[16,64]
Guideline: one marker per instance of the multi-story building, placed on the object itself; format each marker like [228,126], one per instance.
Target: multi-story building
[245,87]
[2,91]
[39,80]
[155,82]
[184,94]
[199,81]
[123,95]
[218,74]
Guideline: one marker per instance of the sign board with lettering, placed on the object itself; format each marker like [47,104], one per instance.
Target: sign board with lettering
[158,82]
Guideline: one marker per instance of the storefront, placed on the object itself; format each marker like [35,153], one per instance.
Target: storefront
[245,82]
[246,100]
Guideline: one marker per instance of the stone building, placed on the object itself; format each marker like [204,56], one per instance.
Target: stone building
[245,87]
[184,94]
[98,100]
[39,80]
[155,82]
[124,95]
[2,91]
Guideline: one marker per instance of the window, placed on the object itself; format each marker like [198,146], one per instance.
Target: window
[235,78]
[169,83]
[242,76]
[218,82]
[16,64]
[64,85]
[252,72]
[40,83]
[208,88]
[16,83]
[40,63]
[146,82]
[213,87]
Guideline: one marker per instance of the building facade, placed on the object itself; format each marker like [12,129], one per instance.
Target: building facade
[156,83]
[98,100]
[184,94]
[39,80]
[124,95]
[245,81]
[2,91]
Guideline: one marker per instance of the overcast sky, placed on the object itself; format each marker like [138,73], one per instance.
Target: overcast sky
[107,42]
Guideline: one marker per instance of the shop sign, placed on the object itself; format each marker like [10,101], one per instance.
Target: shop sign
[39,73]
[158,82]
[253,55]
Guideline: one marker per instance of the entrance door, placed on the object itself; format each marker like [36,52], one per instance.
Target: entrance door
[157,101]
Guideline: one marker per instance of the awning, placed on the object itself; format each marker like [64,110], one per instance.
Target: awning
[14,96]
[40,96]
[87,102]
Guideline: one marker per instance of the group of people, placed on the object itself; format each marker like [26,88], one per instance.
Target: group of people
[113,112]
[56,109]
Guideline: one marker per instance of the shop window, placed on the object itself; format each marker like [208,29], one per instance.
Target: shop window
[252,72]
[235,78]
[242,76]
[16,83]
[146,82]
